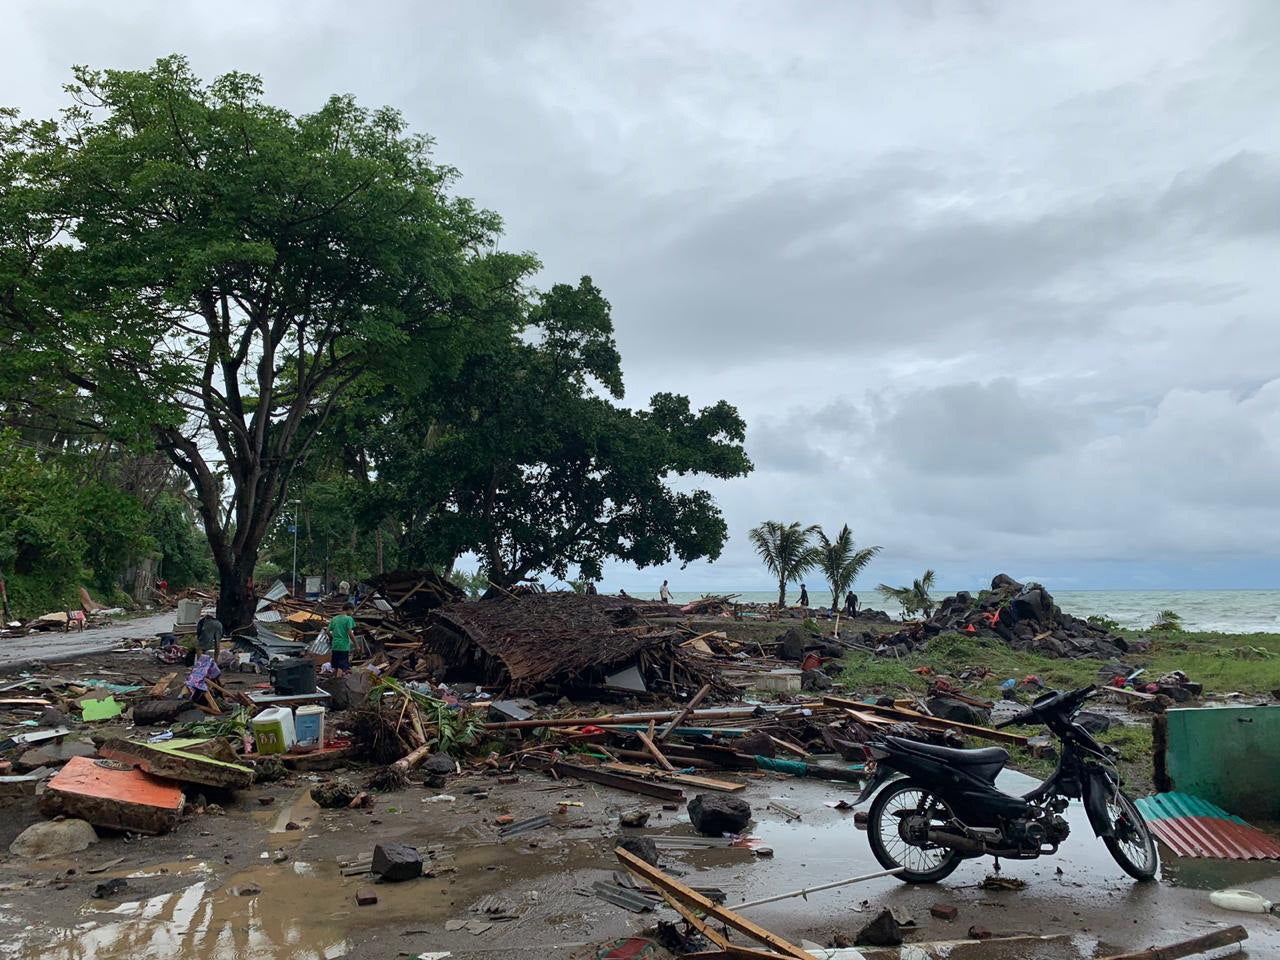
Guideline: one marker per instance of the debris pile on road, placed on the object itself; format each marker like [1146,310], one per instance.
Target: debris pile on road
[1022,615]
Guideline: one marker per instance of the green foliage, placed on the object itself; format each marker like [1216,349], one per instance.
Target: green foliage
[60,527]
[184,554]
[787,551]
[841,561]
[449,729]
[1167,620]
[474,582]
[914,599]
[1106,623]
[527,462]
[212,273]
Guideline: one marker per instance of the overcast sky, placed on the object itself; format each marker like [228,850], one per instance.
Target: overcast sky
[994,283]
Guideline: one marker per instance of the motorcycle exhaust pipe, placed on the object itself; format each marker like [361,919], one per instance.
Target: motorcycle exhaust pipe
[958,841]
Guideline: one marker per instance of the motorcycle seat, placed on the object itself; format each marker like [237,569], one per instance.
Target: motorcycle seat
[981,757]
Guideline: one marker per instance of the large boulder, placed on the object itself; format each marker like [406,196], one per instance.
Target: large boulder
[814,680]
[1034,604]
[394,862]
[714,815]
[1094,722]
[792,644]
[53,838]
[957,711]
[1003,582]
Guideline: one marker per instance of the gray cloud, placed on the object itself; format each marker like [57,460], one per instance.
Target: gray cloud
[993,283]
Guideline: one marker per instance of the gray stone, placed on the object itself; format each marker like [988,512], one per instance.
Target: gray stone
[633,818]
[1093,722]
[333,794]
[1002,581]
[792,644]
[394,862]
[53,838]
[814,680]
[958,711]
[53,754]
[642,847]
[714,815]
[109,888]
[440,763]
[883,931]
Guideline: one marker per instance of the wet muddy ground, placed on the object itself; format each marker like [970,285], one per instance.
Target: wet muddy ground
[240,886]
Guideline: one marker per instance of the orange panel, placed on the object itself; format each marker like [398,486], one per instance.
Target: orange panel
[83,776]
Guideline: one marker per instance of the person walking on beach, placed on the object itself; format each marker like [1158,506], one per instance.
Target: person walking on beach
[850,604]
[665,592]
[340,637]
[804,595]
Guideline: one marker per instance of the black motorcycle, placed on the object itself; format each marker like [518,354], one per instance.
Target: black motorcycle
[947,809]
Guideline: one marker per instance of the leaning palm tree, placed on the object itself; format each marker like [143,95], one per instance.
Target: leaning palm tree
[915,598]
[786,550]
[841,562]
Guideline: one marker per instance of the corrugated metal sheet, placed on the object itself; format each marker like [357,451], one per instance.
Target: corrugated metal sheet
[1192,827]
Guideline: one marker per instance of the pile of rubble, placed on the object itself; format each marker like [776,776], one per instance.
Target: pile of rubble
[1022,615]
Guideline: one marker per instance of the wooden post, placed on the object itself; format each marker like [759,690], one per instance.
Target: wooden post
[688,709]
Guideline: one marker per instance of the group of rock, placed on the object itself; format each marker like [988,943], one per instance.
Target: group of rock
[1022,615]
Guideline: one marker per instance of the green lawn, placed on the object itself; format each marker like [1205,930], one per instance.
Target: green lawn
[1222,662]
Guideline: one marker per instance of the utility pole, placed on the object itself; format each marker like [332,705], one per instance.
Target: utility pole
[293,584]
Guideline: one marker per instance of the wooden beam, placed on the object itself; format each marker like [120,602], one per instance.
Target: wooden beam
[691,898]
[646,739]
[1187,948]
[790,747]
[688,709]
[611,779]
[924,720]
[687,779]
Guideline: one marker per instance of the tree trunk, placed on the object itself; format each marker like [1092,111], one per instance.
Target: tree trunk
[782,593]
[235,601]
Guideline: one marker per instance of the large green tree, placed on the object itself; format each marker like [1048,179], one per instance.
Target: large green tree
[528,462]
[210,275]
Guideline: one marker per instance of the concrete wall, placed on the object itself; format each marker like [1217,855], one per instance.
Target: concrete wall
[1226,755]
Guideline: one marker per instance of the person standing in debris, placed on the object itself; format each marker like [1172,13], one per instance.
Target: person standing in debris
[665,593]
[340,637]
[850,604]
[804,595]
[591,588]
[208,634]
[344,588]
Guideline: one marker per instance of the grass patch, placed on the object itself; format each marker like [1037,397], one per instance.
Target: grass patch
[1248,663]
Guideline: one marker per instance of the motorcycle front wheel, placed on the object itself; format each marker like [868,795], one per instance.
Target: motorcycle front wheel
[1131,844]
[921,864]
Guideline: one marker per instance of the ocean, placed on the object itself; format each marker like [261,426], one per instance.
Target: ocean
[1219,611]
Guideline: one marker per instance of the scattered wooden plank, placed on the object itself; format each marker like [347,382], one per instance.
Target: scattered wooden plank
[924,720]
[1187,948]
[612,779]
[694,900]
[688,709]
[646,739]
[686,779]
[161,686]
[791,747]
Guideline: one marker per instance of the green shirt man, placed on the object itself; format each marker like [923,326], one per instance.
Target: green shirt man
[340,628]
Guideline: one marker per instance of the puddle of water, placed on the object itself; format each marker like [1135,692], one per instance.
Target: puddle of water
[305,911]
[301,809]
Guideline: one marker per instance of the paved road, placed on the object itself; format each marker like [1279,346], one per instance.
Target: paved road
[17,651]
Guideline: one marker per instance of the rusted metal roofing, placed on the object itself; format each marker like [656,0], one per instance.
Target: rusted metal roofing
[1192,827]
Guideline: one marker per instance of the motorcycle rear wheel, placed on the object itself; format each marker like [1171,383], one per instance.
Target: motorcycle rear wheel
[921,864]
[1132,846]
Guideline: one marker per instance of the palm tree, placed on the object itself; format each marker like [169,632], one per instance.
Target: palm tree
[841,562]
[786,551]
[915,598]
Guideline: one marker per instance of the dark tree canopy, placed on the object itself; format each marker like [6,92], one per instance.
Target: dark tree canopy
[211,274]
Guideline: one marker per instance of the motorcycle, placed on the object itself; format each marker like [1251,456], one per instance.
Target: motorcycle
[947,808]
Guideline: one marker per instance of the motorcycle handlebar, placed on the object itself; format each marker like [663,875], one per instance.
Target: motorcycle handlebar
[1033,714]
